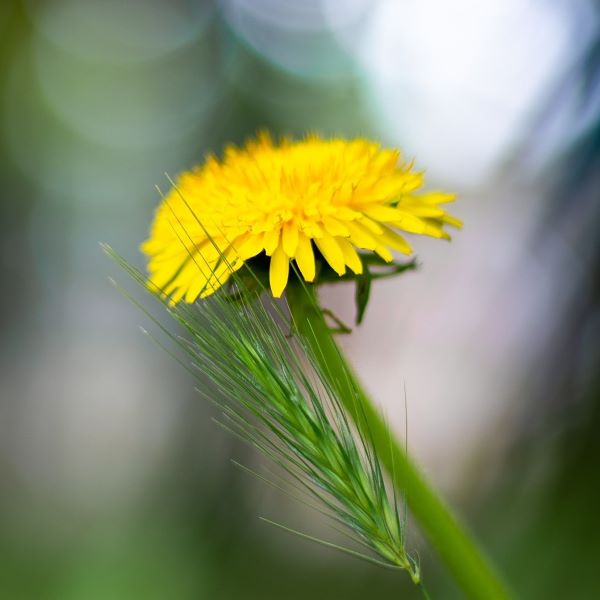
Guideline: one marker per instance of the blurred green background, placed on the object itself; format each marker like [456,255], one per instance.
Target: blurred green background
[114,482]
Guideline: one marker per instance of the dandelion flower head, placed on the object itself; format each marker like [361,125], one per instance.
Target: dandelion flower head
[324,199]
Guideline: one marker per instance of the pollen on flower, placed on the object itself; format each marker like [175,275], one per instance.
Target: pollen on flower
[288,200]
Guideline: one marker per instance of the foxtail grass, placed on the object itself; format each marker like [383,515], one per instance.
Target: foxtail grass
[274,393]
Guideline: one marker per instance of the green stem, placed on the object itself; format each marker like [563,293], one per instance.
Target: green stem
[463,558]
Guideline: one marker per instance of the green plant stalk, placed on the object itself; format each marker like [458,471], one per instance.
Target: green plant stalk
[460,553]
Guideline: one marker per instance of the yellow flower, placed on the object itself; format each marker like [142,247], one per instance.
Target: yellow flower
[280,199]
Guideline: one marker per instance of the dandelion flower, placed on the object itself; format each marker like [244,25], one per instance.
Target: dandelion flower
[313,199]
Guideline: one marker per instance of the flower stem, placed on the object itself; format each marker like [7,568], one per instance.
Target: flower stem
[455,546]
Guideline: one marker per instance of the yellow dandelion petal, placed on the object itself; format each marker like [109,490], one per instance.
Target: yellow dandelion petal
[427,211]
[434,198]
[248,246]
[312,230]
[305,258]
[370,225]
[177,295]
[194,289]
[452,221]
[351,257]
[395,241]
[361,237]
[279,271]
[345,214]
[335,227]
[384,253]
[332,253]
[271,240]
[179,281]
[382,213]
[276,199]
[409,222]
[289,239]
